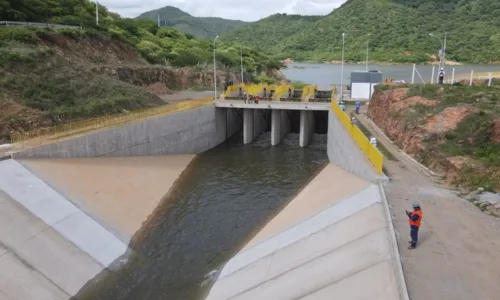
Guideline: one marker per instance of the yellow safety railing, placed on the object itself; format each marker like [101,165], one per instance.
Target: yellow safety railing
[230,89]
[305,92]
[311,91]
[333,95]
[376,158]
[38,137]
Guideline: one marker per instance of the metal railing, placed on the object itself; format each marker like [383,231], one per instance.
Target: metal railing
[373,154]
[50,134]
[14,23]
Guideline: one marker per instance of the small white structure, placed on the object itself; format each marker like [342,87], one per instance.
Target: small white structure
[363,83]
[373,141]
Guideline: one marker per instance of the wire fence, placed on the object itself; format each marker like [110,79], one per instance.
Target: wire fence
[46,135]
[469,78]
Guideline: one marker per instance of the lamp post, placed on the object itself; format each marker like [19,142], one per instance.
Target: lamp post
[443,47]
[241,60]
[215,72]
[97,13]
[342,70]
[367,49]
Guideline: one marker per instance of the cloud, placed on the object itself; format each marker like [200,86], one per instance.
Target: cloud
[229,9]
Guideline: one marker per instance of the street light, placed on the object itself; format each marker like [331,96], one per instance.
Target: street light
[443,47]
[241,59]
[97,13]
[215,72]
[342,70]
[367,46]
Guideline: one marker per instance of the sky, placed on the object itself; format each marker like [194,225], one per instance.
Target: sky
[249,10]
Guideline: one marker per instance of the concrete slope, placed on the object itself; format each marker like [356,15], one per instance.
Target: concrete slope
[36,262]
[328,250]
[59,213]
[119,192]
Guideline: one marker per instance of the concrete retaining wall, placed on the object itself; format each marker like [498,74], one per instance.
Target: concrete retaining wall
[343,151]
[187,132]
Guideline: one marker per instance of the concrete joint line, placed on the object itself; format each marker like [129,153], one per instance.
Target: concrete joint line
[255,254]
[396,258]
[311,217]
[344,278]
[313,259]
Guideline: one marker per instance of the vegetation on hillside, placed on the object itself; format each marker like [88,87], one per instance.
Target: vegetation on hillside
[157,45]
[200,27]
[50,75]
[460,130]
[397,31]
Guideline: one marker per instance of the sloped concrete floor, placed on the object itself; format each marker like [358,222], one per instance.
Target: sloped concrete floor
[331,239]
[120,192]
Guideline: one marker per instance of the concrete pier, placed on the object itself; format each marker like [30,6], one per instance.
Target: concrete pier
[254,123]
[280,126]
[306,127]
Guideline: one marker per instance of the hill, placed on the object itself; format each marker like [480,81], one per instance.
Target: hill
[454,129]
[200,27]
[398,31]
[266,34]
[50,75]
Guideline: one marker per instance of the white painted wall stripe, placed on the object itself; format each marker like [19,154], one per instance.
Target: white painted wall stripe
[67,219]
[337,212]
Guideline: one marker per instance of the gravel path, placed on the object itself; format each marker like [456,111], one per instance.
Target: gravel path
[458,256]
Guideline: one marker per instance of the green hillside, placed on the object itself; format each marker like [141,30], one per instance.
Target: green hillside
[200,27]
[399,31]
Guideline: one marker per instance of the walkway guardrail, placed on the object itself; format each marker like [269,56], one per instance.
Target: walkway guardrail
[283,92]
[14,23]
[41,136]
[375,157]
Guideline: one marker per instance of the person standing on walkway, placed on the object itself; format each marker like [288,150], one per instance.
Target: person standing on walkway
[414,218]
[342,106]
[358,106]
[441,76]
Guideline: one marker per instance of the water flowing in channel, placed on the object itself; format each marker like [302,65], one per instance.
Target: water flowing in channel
[222,200]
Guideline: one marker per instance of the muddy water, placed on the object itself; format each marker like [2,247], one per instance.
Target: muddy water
[220,202]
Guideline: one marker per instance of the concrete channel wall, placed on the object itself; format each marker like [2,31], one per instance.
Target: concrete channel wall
[343,151]
[187,132]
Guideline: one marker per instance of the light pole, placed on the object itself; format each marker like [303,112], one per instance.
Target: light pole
[342,70]
[97,13]
[241,59]
[443,45]
[215,72]
[367,47]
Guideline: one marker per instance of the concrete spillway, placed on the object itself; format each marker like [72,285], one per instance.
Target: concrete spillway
[342,212]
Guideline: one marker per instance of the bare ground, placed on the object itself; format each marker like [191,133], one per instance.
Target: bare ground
[458,256]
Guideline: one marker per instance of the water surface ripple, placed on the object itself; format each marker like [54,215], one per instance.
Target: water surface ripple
[222,200]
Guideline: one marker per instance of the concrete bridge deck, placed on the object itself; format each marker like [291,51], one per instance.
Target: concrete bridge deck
[285,105]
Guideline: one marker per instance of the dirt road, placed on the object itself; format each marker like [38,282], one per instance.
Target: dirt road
[186,95]
[458,256]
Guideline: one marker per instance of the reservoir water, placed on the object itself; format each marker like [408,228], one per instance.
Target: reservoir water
[324,75]
[225,196]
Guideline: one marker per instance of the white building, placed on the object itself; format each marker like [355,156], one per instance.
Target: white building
[363,84]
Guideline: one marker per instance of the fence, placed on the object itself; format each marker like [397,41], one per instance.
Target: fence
[469,77]
[12,23]
[38,137]
[375,157]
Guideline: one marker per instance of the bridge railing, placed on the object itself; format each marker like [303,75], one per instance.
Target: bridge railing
[44,135]
[373,154]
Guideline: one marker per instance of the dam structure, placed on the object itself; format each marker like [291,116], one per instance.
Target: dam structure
[74,197]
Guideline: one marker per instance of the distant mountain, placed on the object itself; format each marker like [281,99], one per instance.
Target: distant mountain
[200,27]
[267,34]
[397,30]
